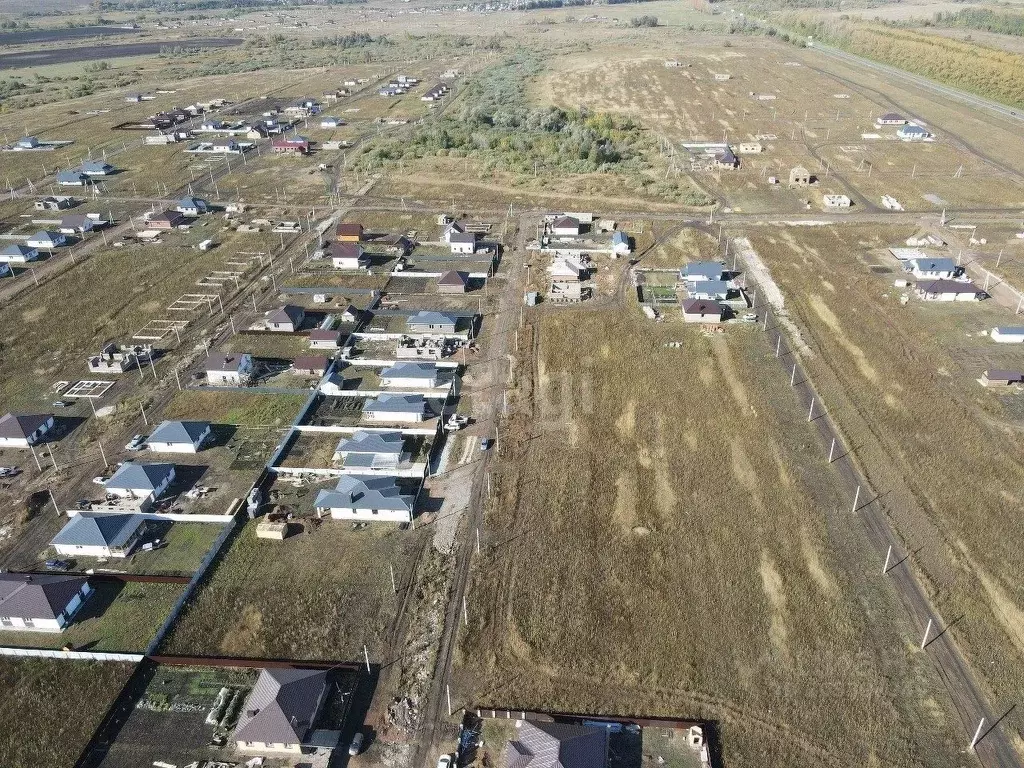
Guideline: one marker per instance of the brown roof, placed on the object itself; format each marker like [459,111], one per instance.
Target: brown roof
[310,363]
[37,596]
[346,229]
[282,706]
[999,375]
[324,334]
[557,745]
[702,307]
[344,250]
[169,217]
[453,277]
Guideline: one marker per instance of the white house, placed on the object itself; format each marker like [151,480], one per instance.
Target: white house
[279,714]
[566,226]
[411,375]
[16,253]
[348,256]
[144,483]
[48,240]
[40,602]
[192,206]
[331,122]
[21,430]
[620,244]
[948,290]
[1008,335]
[462,243]
[367,451]
[701,311]
[99,535]
[911,132]
[933,269]
[369,498]
[891,118]
[179,436]
[395,409]
[230,369]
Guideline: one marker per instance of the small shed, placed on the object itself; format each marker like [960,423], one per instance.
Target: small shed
[453,281]
[995,377]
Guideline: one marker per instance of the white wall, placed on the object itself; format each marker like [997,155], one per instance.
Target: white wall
[382,516]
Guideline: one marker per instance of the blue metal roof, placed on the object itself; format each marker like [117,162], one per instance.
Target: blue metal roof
[97,530]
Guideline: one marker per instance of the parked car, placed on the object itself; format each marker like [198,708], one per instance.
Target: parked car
[445,761]
[137,444]
[357,745]
[58,565]
[8,471]
[485,443]
[61,404]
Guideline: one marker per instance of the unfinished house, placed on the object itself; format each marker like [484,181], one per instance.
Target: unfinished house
[567,291]
[799,177]
[410,348]
[114,360]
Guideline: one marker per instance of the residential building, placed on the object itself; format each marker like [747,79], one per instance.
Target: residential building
[192,206]
[348,256]
[229,368]
[462,243]
[97,168]
[366,498]
[726,159]
[77,224]
[352,314]
[620,244]
[144,483]
[428,321]
[27,142]
[47,240]
[166,220]
[911,132]
[702,311]
[696,271]
[891,118]
[22,430]
[453,281]
[15,253]
[309,365]
[293,145]
[995,377]
[72,179]
[1008,335]
[709,290]
[40,602]
[279,714]
[451,227]
[286,319]
[395,409]
[331,122]
[948,290]
[371,450]
[100,535]
[933,269]
[179,436]
[347,232]
[566,226]
[412,375]
[539,744]
[325,338]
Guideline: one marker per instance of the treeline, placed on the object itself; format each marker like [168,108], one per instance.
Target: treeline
[982,20]
[995,74]
[179,6]
[531,5]
[351,40]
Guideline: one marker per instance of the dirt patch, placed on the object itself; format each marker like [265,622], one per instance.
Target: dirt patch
[774,590]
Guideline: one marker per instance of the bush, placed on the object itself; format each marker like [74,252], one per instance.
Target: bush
[644,21]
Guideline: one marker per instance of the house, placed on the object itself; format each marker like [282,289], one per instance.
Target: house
[453,281]
[933,269]
[366,497]
[179,436]
[77,224]
[229,368]
[891,118]
[166,220]
[999,378]
[279,714]
[428,321]
[569,291]
[286,319]
[352,314]
[348,256]
[144,483]
[192,206]
[295,145]
[348,233]
[702,311]
[462,243]
[303,108]
[40,602]
[566,226]
[54,203]
[72,179]
[836,201]
[48,240]
[696,271]
[309,365]
[539,744]
[396,409]
[27,142]
[423,375]
[726,159]
[370,450]
[1008,335]
[620,244]
[97,168]
[948,290]
[799,177]
[325,338]
[709,290]
[331,122]
[451,227]
[911,132]
[22,430]
[18,254]
[99,535]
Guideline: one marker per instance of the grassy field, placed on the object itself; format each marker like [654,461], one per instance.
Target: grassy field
[710,572]
[38,694]
[901,382]
[186,545]
[320,594]
[238,408]
[117,617]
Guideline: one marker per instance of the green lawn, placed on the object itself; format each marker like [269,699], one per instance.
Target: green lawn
[238,408]
[187,543]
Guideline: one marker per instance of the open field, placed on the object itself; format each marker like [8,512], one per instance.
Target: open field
[709,497]
[900,382]
[38,694]
[320,594]
[238,408]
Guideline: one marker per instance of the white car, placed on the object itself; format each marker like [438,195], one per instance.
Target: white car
[445,761]
[137,444]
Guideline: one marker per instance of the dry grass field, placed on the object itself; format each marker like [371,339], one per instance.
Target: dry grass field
[38,694]
[901,383]
[668,540]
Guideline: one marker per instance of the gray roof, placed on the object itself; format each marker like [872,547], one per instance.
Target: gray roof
[97,530]
[911,128]
[38,596]
[192,202]
[711,287]
[289,313]
[410,371]
[997,374]
[947,286]
[364,492]
[47,237]
[282,706]
[557,745]
[372,442]
[935,265]
[388,403]
[17,249]
[179,432]
[709,270]
[134,476]
[96,165]
[76,176]
[225,361]
[1007,330]
[461,237]
[429,317]
[20,425]
[620,237]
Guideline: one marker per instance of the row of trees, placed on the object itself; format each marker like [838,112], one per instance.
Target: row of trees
[983,20]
